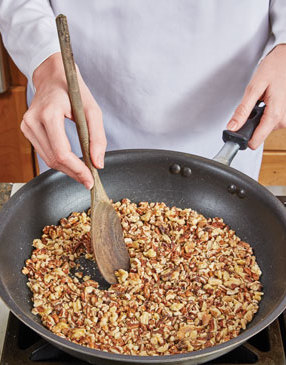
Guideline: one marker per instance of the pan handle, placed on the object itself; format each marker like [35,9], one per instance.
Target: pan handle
[244,134]
[235,141]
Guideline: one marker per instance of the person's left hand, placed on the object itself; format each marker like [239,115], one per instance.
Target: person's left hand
[268,84]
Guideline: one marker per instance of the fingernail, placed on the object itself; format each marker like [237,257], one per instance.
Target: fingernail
[100,162]
[253,146]
[232,125]
[88,186]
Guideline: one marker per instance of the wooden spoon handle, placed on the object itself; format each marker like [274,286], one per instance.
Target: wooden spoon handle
[76,103]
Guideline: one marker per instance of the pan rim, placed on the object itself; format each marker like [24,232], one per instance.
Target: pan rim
[64,343]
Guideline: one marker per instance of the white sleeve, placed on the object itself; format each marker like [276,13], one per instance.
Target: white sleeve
[29,32]
[277,18]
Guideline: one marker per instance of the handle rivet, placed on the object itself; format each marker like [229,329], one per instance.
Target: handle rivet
[187,172]
[232,188]
[241,193]
[175,168]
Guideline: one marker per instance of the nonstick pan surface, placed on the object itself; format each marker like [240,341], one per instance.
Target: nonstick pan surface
[144,175]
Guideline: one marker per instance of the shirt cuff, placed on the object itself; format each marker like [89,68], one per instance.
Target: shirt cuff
[272,43]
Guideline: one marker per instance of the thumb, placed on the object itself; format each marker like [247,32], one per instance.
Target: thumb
[252,93]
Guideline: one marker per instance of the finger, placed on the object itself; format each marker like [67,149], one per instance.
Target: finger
[271,117]
[94,120]
[31,136]
[97,137]
[38,137]
[253,93]
[64,158]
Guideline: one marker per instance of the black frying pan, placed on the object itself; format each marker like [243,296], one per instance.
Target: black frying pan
[205,185]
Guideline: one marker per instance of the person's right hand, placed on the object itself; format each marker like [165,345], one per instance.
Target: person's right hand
[43,123]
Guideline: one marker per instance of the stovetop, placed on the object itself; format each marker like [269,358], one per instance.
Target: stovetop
[23,346]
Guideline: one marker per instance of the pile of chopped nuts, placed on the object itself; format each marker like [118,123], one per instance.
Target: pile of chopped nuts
[192,284]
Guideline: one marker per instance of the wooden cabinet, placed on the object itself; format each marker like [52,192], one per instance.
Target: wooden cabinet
[16,153]
[273,168]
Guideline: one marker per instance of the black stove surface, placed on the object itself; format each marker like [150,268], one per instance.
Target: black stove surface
[23,346]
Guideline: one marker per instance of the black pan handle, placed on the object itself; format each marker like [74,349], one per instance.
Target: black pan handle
[244,134]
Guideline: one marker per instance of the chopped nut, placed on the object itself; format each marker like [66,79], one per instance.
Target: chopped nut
[215,312]
[150,253]
[77,333]
[163,348]
[38,244]
[146,217]
[232,282]
[214,281]
[60,326]
[25,271]
[77,306]
[144,319]
[122,275]
[185,332]
[176,307]
[206,318]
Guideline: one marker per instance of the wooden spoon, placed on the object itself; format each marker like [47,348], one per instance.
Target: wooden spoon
[106,232]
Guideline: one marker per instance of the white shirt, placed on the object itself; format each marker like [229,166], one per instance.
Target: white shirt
[167,74]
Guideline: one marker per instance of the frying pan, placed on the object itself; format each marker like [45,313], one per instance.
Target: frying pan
[178,179]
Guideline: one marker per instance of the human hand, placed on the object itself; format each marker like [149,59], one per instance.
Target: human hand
[269,85]
[43,123]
